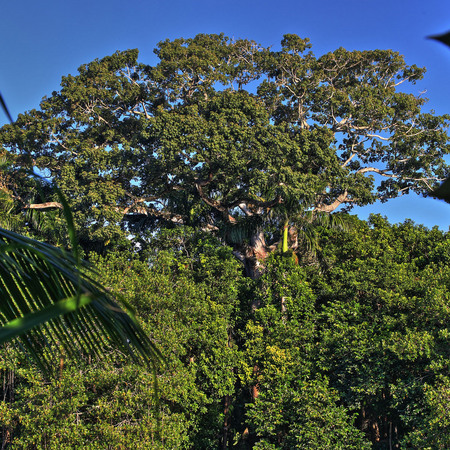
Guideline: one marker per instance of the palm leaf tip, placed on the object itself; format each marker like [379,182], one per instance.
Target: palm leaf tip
[444,38]
[5,109]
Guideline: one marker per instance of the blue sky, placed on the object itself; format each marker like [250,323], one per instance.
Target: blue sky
[43,40]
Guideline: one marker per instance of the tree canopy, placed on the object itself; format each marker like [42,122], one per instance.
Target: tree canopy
[225,134]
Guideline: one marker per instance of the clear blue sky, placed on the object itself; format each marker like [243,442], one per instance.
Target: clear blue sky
[44,40]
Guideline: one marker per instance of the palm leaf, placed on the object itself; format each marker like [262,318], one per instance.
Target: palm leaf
[5,108]
[46,300]
[444,38]
[443,191]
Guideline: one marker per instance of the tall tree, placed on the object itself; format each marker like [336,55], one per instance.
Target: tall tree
[228,135]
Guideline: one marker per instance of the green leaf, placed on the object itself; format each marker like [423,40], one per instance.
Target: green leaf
[21,325]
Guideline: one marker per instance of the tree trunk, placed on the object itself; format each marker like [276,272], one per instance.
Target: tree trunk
[255,254]
[255,387]
[226,413]
[8,391]
[253,257]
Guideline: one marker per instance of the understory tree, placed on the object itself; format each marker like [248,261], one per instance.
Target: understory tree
[352,353]
[384,329]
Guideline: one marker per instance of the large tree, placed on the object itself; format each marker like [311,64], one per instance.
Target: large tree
[232,137]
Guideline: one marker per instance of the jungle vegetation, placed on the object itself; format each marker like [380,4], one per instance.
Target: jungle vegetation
[211,193]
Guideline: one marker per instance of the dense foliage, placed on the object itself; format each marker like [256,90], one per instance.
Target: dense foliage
[348,353]
[202,188]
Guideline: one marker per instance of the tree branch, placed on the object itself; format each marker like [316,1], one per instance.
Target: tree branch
[47,205]
[343,198]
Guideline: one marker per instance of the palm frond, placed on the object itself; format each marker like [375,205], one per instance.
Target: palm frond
[444,38]
[47,302]
[241,231]
[307,226]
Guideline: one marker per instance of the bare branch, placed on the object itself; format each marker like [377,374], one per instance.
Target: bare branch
[343,198]
[44,206]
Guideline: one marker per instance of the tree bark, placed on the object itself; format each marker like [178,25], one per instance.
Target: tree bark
[226,412]
[255,255]
[44,206]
